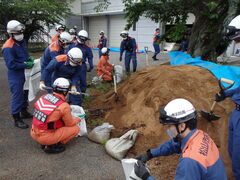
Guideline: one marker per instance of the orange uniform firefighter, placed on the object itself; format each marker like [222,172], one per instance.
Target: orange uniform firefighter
[53,124]
[104,68]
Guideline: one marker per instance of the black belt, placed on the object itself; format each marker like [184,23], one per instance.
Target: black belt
[237,107]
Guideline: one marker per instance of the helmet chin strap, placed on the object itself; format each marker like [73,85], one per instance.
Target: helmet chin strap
[178,137]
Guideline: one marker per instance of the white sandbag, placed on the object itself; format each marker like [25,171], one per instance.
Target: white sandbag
[32,78]
[118,70]
[118,147]
[101,134]
[77,111]
[128,168]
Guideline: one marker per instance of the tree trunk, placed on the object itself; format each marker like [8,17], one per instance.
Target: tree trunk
[207,34]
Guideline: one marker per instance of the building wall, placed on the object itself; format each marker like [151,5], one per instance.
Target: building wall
[88,6]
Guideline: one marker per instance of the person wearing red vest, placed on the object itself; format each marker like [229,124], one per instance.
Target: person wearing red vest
[199,155]
[156,44]
[102,42]
[53,124]
[104,68]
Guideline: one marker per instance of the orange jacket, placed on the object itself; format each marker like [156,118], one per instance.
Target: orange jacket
[104,65]
[55,37]
[62,112]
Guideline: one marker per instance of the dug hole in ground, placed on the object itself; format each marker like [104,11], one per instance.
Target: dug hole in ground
[140,98]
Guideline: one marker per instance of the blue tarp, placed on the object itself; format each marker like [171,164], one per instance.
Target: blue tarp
[220,71]
[118,50]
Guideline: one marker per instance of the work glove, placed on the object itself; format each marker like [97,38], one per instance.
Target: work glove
[120,58]
[29,64]
[141,171]
[31,59]
[220,96]
[42,86]
[73,89]
[144,157]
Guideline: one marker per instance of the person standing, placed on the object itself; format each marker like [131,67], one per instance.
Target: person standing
[73,33]
[233,128]
[54,49]
[199,155]
[16,57]
[102,42]
[53,124]
[67,66]
[128,45]
[59,29]
[156,44]
[82,38]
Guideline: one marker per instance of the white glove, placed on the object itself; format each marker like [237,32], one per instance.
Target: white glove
[42,86]
[73,89]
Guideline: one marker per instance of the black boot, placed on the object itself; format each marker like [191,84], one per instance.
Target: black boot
[18,122]
[54,149]
[25,114]
[154,58]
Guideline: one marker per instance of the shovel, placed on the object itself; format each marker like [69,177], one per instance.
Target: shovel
[209,115]
[70,92]
[115,88]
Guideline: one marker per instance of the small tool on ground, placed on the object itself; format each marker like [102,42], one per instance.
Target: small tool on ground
[209,115]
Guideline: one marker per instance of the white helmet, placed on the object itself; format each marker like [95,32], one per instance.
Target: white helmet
[60,27]
[65,38]
[104,51]
[124,34]
[82,36]
[101,32]
[75,56]
[72,31]
[177,111]
[14,26]
[61,85]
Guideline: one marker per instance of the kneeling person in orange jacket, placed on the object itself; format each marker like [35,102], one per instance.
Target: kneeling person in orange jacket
[53,124]
[104,68]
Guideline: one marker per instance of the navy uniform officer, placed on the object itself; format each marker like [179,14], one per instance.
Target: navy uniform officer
[129,45]
[82,38]
[66,66]
[16,57]
[199,155]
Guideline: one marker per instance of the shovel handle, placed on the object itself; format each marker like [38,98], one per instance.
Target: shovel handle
[115,84]
[212,107]
[228,81]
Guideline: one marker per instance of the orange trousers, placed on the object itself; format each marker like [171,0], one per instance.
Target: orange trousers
[105,77]
[50,137]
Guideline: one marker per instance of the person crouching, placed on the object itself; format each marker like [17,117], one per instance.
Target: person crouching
[104,68]
[53,124]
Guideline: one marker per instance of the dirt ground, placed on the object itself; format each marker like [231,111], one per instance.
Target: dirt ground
[140,98]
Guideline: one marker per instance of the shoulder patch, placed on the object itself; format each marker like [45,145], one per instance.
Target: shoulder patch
[61,58]
[8,44]
[54,46]
[202,149]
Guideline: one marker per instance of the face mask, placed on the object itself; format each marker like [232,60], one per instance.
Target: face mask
[72,64]
[171,133]
[18,37]
[73,36]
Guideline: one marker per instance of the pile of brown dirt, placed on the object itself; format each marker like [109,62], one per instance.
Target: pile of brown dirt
[142,95]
